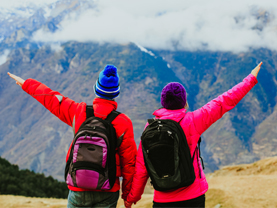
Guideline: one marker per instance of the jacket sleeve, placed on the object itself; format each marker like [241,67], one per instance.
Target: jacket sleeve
[61,106]
[215,109]
[127,152]
[140,178]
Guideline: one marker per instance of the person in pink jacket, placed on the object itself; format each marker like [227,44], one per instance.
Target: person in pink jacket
[174,102]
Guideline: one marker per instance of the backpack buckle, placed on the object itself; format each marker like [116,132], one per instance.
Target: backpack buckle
[159,126]
[170,134]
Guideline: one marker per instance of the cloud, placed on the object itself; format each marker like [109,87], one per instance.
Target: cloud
[56,47]
[4,57]
[175,25]
[23,3]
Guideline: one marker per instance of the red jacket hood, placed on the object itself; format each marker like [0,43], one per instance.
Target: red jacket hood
[103,107]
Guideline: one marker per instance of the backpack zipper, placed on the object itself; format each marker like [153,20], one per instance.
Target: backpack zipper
[97,169]
[155,145]
[150,135]
[96,128]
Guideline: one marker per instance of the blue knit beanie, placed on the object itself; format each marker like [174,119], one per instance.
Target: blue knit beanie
[107,85]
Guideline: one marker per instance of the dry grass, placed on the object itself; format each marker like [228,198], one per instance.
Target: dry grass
[246,185]
[145,202]
[266,166]
[242,191]
[9,201]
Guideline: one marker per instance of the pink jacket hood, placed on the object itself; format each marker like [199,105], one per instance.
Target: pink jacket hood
[175,115]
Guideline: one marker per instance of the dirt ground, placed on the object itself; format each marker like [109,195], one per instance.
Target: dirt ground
[9,201]
[242,191]
[254,191]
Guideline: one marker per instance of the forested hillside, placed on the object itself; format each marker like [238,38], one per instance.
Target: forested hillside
[28,183]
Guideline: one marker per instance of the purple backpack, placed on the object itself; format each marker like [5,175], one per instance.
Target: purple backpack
[91,163]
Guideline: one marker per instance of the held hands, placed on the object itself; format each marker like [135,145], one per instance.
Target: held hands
[18,80]
[127,204]
[255,71]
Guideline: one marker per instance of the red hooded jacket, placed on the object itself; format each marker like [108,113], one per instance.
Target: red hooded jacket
[74,114]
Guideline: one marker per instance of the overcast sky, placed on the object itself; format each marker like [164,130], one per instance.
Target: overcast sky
[17,3]
[225,25]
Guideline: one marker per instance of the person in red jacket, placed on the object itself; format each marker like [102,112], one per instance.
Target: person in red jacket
[74,114]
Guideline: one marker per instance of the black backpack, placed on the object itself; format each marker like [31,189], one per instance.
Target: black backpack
[91,163]
[167,156]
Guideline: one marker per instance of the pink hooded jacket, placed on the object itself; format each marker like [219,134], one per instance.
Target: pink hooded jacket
[194,124]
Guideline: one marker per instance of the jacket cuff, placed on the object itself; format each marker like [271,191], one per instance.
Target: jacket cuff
[124,196]
[26,84]
[251,78]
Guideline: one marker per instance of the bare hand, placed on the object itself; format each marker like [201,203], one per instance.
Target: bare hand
[256,70]
[18,80]
[127,204]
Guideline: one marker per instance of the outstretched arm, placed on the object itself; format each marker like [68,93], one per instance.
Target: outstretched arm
[215,109]
[19,81]
[256,70]
[61,106]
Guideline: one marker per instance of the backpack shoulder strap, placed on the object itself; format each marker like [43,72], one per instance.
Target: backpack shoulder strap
[199,141]
[89,111]
[151,120]
[198,155]
[112,116]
